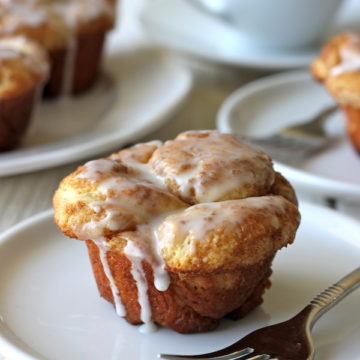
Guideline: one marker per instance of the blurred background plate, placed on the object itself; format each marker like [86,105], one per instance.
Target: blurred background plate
[180,25]
[269,104]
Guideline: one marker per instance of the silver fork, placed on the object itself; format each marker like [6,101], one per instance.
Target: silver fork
[295,143]
[289,340]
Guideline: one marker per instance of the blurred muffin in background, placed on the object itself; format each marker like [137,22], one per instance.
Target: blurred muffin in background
[24,68]
[338,67]
[44,27]
[73,33]
[89,21]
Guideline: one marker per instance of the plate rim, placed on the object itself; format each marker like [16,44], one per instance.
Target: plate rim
[83,150]
[287,60]
[10,349]
[327,187]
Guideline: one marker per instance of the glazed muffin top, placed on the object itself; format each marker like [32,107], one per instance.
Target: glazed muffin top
[338,67]
[202,202]
[25,18]
[23,64]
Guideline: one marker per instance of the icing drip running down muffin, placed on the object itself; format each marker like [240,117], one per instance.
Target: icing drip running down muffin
[72,32]
[23,71]
[338,67]
[181,233]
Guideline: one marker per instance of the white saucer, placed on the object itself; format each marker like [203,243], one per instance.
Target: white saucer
[142,89]
[179,25]
[268,104]
[50,308]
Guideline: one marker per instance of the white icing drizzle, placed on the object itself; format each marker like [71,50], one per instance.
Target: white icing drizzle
[68,77]
[19,47]
[119,307]
[139,276]
[350,57]
[21,14]
[95,230]
[95,169]
[197,221]
[142,244]
[148,328]
[231,163]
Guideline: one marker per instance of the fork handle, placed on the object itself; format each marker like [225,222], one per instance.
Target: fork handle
[333,295]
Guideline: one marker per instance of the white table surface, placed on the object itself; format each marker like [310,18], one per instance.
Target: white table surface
[22,196]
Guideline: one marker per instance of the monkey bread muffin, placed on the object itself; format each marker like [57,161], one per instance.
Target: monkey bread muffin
[23,71]
[181,233]
[338,67]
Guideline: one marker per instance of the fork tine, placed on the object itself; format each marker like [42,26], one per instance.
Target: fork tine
[233,356]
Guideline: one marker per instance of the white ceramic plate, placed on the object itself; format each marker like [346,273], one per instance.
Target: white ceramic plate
[268,104]
[50,308]
[142,89]
[183,27]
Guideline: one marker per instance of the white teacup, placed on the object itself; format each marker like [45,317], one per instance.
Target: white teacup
[281,24]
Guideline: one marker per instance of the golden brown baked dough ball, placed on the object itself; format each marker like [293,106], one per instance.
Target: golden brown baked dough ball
[113,195]
[166,241]
[224,235]
[207,166]
[282,187]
